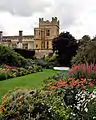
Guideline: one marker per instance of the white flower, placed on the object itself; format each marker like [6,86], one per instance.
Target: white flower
[61,103]
[78,107]
[94,117]
[42,103]
[86,109]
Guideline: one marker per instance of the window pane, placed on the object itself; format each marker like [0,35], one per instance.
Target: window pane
[47,32]
[25,46]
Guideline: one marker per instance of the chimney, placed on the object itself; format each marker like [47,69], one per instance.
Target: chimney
[1,35]
[20,36]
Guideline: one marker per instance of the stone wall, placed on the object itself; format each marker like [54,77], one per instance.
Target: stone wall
[42,53]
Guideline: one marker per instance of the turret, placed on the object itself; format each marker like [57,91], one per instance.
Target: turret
[55,21]
[41,19]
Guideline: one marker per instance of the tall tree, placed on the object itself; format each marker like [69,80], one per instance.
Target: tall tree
[65,46]
[84,40]
[86,52]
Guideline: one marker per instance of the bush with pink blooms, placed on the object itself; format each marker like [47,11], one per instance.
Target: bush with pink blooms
[83,71]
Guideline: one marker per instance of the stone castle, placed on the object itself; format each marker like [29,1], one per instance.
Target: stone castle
[44,34]
[41,40]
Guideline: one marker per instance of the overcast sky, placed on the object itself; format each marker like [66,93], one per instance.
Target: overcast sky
[76,16]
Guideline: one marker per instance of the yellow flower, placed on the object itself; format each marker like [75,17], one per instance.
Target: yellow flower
[20,103]
[19,109]
[21,96]
[4,101]
[2,109]
[9,91]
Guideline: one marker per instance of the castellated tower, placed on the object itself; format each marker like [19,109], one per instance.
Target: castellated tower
[45,33]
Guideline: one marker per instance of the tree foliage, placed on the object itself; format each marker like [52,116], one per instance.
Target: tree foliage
[86,52]
[65,46]
[85,39]
[10,57]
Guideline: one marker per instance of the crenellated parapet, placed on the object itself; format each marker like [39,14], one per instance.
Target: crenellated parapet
[43,22]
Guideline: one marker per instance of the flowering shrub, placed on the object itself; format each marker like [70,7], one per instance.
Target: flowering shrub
[69,83]
[21,104]
[54,78]
[83,71]
[75,91]
[76,96]
[84,106]
[91,107]
[81,101]
[7,71]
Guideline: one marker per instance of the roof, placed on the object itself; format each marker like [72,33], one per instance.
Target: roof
[16,37]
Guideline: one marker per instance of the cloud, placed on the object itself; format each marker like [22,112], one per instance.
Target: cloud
[1,27]
[76,16]
[67,11]
[23,7]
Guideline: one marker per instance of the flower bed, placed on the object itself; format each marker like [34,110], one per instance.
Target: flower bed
[7,71]
[75,89]
[21,104]
[59,99]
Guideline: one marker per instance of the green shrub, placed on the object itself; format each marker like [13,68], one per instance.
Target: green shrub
[33,68]
[4,74]
[30,69]
[37,68]
[51,58]
[29,62]
[22,71]
[43,63]
[92,109]
[13,73]
[10,57]
[17,72]
[1,66]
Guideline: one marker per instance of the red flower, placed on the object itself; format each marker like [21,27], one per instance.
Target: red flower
[83,86]
[53,87]
[91,84]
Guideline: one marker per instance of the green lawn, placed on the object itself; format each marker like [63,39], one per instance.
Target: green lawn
[34,80]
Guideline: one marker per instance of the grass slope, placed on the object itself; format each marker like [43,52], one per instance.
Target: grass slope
[34,80]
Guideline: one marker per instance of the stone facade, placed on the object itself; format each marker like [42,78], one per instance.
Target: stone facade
[46,32]
[20,41]
[42,39]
